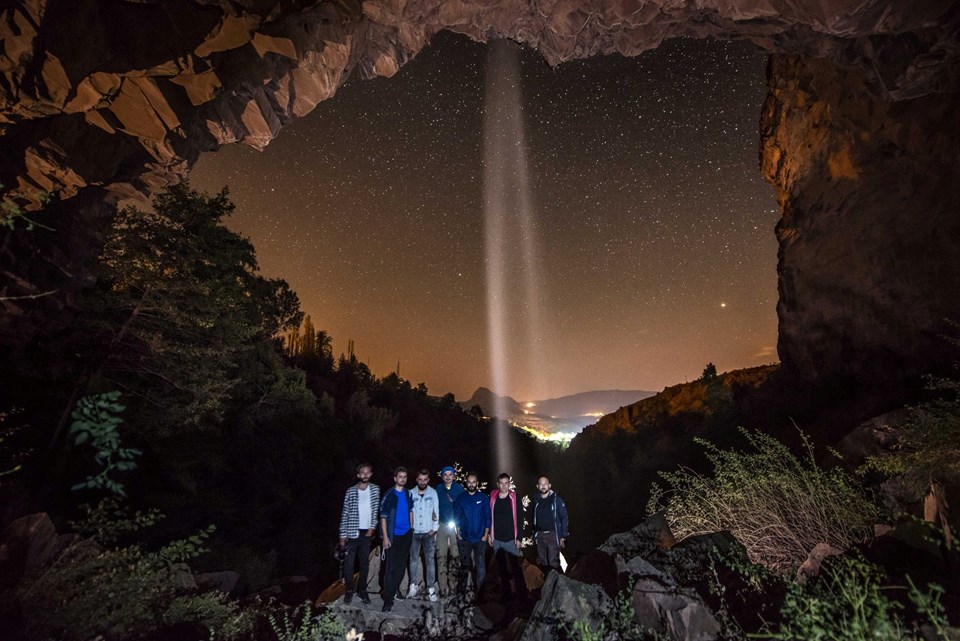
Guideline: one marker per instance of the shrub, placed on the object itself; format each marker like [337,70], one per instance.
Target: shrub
[778,505]
[306,625]
[619,623]
[847,602]
[122,592]
[928,447]
[96,421]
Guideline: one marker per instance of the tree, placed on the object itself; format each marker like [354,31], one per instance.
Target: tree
[178,301]
[709,373]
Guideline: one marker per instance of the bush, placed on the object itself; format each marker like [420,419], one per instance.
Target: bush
[928,447]
[122,592]
[847,602]
[778,505]
[306,625]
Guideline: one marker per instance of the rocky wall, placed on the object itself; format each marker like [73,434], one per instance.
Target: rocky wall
[869,259]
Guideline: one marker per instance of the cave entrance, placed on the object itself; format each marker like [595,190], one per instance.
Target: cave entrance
[655,225]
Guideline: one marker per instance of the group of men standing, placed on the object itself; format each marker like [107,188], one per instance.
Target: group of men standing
[452,524]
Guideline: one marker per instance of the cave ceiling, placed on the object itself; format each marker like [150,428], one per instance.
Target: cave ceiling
[859,135]
[124,95]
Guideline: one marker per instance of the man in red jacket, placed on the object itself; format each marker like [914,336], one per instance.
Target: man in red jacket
[505,536]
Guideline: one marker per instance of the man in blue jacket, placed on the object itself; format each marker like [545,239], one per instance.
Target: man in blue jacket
[447,546]
[550,525]
[472,516]
[396,518]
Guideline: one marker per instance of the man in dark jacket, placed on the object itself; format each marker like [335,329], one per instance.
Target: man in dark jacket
[396,517]
[550,525]
[472,515]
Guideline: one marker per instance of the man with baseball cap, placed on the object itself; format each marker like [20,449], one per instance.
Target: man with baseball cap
[447,568]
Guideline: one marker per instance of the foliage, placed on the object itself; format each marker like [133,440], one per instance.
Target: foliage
[374,419]
[11,458]
[120,592]
[709,373]
[848,602]
[306,625]
[179,306]
[96,420]
[108,521]
[928,447]
[214,611]
[11,211]
[308,341]
[778,505]
[619,623]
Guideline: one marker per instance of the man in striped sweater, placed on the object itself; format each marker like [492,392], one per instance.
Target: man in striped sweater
[361,511]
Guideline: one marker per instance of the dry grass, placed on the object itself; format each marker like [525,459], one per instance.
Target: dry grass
[777,505]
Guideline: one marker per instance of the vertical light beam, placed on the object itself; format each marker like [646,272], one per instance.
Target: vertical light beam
[508,216]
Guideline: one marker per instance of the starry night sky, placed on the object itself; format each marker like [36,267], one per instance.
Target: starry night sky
[656,234]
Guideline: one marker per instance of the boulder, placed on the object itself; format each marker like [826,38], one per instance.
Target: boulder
[26,545]
[488,616]
[409,618]
[691,560]
[598,568]
[179,576]
[294,590]
[533,576]
[662,607]
[225,581]
[811,566]
[563,601]
[644,540]
[334,591]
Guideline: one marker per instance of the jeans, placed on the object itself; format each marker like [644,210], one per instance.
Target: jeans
[472,558]
[429,545]
[357,549]
[447,569]
[398,557]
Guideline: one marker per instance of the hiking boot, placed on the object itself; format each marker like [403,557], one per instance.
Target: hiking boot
[412,593]
[347,598]
[432,595]
[365,599]
[387,607]
[399,595]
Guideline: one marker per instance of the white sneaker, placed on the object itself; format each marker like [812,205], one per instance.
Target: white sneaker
[432,594]
[413,592]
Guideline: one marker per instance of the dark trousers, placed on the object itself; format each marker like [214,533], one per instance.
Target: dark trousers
[473,557]
[357,549]
[398,558]
[508,562]
[548,551]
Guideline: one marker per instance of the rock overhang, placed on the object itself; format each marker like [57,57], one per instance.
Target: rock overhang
[154,84]
[101,100]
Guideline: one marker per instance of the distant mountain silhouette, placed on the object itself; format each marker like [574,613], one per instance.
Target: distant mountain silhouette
[567,414]
[486,399]
[589,403]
